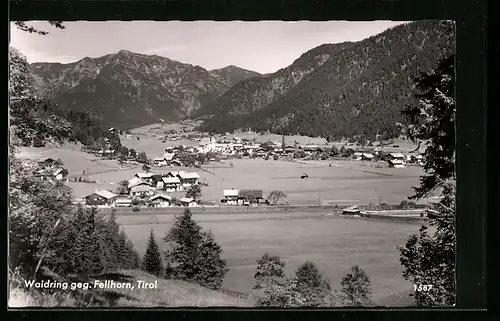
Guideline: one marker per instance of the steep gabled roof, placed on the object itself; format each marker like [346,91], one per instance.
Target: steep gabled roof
[104,193]
[171,180]
[187,175]
[157,196]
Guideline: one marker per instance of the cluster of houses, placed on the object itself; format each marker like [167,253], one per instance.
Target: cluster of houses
[395,160]
[230,148]
[148,189]
[52,169]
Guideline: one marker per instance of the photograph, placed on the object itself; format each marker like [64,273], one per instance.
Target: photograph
[238,164]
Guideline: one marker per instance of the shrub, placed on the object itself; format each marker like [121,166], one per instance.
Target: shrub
[151,262]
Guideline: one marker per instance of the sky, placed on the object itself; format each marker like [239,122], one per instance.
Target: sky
[263,46]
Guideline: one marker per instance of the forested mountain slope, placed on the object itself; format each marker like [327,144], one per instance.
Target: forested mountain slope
[358,91]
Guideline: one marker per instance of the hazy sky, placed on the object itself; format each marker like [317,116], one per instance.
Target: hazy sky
[263,46]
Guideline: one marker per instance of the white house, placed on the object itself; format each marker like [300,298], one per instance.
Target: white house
[188,202]
[101,198]
[171,184]
[396,163]
[188,178]
[230,196]
[397,156]
[367,156]
[134,181]
[168,156]
[146,177]
[123,202]
[159,161]
[160,200]
[141,189]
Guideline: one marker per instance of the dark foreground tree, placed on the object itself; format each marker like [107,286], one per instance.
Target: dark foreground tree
[430,258]
[356,288]
[152,258]
[194,255]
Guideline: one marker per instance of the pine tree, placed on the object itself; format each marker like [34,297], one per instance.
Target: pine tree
[86,250]
[152,258]
[194,256]
[212,268]
[430,258]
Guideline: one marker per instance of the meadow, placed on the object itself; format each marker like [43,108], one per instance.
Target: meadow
[344,182]
[334,243]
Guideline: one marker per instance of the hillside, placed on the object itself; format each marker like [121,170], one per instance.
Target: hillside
[358,89]
[170,293]
[129,90]
[257,92]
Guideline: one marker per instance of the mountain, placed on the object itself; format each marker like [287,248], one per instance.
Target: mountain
[233,75]
[129,90]
[333,91]
[257,92]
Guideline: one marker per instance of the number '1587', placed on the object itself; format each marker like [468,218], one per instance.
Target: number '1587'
[422,287]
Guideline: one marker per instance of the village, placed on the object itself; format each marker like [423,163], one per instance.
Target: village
[181,188]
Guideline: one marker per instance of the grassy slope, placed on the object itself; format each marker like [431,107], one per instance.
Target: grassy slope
[174,293]
[170,293]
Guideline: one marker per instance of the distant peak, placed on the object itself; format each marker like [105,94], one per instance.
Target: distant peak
[126,52]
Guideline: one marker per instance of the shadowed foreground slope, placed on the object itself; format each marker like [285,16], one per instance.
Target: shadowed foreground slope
[170,293]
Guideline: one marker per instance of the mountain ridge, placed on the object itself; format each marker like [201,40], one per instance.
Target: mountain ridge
[130,89]
[358,91]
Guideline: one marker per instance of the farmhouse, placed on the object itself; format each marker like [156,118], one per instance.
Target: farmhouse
[49,173]
[146,177]
[171,184]
[310,148]
[141,189]
[101,198]
[48,163]
[396,163]
[367,157]
[188,202]
[176,163]
[188,178]
[134,181]
[106,152]
[123,202]
[398,156]
[160,200]
[250,196]
[416,159]
[159,161]
[230,197]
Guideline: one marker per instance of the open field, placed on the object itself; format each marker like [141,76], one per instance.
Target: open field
[334,243]
[73,158]
[345,182]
